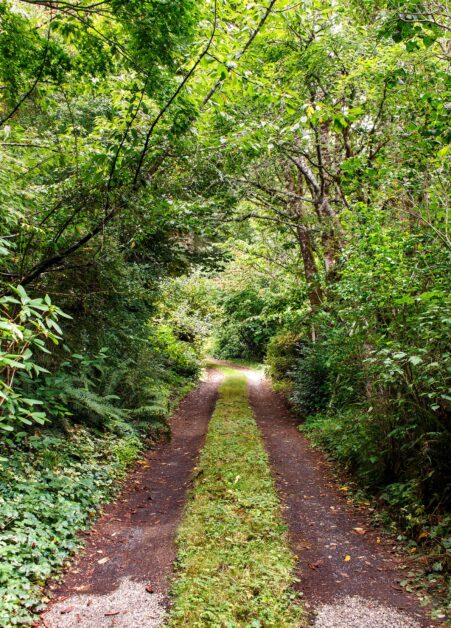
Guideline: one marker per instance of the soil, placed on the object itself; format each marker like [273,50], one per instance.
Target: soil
[133,541]
[339,555]
[345,570]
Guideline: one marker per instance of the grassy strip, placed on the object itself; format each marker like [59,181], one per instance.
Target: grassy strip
[234,564]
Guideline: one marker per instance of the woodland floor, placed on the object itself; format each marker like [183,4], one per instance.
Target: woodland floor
[348,576]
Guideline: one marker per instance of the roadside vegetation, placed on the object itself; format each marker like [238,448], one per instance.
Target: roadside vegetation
[54,485]
[275,174]
[56,480]
[234,567]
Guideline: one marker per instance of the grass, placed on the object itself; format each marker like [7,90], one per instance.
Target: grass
[250,364]
[234,566]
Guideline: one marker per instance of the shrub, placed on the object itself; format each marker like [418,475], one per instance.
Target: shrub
[281,356]
[53,486]
[176,354]
[311,391]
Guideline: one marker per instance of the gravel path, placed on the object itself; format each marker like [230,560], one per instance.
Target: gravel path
[128,606]
[348,577]
[357,612]
[346,572]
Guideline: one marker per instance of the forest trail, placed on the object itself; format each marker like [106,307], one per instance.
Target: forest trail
[122,576]
[347,575]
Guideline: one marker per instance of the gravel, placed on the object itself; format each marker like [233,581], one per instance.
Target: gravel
[129,606]
[356,612]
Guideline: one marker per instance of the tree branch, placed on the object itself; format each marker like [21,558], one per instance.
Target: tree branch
[243,50]
[174,95]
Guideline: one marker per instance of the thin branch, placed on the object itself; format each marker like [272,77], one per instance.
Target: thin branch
[275,191]
[259,217]
[424,21]
[174,95]
[60,5]
[56,259]
[443,237]
[243,50]
[293,6]
[32,88]
[308,174]
[29,145]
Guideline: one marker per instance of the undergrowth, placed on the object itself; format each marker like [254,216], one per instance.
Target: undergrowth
[234,565]
[424,538]
[52,486]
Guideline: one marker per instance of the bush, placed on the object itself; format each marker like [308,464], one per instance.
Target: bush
[281,356]
[250,319]
[231,342]
[178,355]
[352,439]
[311,391]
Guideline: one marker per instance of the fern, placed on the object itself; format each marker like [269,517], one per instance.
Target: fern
[148,412]
[91,406]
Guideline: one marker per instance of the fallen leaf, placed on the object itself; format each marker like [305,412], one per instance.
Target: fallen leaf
[347,558]
[103,560]
[315,565]
[149,588]
[360,530]
[423,535]
[344,488]
[66,610]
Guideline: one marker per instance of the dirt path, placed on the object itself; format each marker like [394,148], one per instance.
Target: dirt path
[347,577]
[121,577]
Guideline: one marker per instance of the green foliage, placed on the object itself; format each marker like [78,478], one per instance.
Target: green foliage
[250,317]
[351,440]
[176,354]
[52,486]
[380,365]
[305,183]
[245,332]
[281,357]
[311,392]
[25,326]
[336,159]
